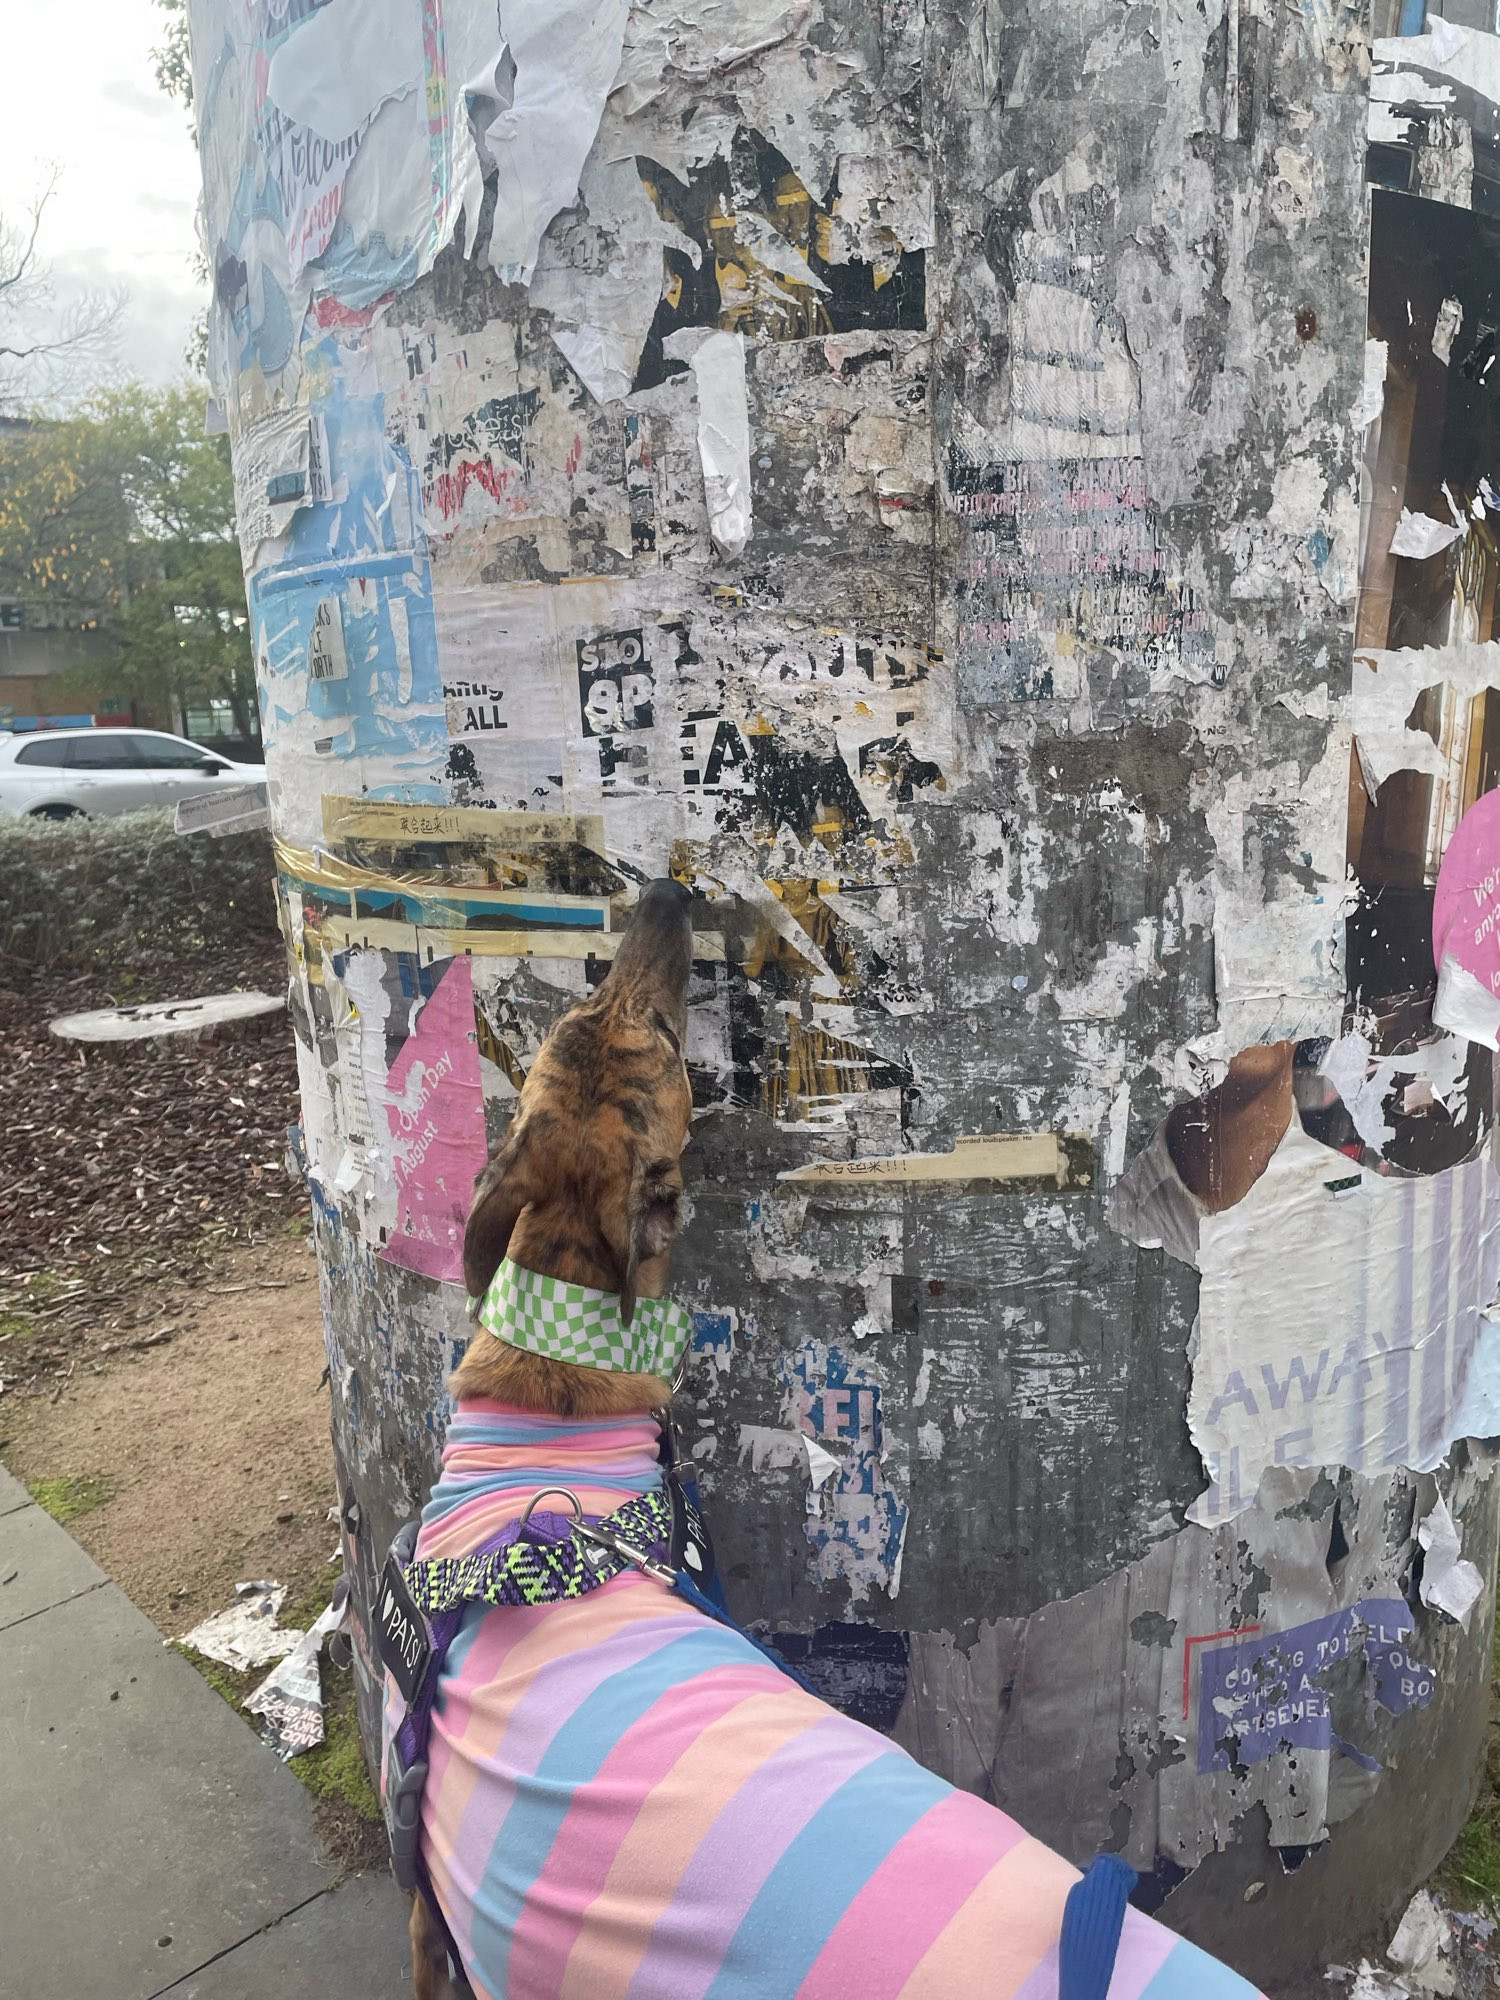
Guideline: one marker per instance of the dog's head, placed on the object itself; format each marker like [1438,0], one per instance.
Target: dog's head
[586,1184]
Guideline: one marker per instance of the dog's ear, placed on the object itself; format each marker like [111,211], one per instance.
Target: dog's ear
[655,1193]
[500,1193]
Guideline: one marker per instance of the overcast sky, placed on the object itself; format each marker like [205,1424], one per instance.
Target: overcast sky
[81,96]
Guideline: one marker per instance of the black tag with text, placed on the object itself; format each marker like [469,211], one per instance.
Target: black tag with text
[401,1631]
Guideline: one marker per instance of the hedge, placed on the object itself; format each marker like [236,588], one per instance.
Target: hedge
[114,892]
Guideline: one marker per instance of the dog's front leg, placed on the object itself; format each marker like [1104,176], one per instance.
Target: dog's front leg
[429,1954]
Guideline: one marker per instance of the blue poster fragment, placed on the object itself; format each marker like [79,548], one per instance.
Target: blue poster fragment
[1271,1691]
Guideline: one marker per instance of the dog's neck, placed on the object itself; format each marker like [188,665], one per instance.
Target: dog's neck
[497,1372]
[498,1458]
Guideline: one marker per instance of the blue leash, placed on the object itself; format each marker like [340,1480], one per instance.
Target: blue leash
[1093,1917]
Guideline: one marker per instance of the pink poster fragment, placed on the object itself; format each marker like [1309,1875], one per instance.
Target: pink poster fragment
[436,1112]
[1466,926]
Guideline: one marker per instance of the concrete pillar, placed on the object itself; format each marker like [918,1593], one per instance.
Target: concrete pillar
[898,465]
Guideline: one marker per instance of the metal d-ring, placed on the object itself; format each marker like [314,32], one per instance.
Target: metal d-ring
[545,1493]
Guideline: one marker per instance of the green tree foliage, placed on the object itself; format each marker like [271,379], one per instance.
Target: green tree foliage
[121,515]
[174,72]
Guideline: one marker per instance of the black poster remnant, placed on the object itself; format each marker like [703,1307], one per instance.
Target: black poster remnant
[616,696]
[776,260]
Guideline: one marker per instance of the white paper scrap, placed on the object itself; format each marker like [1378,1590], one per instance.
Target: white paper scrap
[1320,1293]
[567,54]
[1419,536]
[1372,394]
[1447,38]
[1449,1582]
[1419,1945]
[246,1634]
[333,73]
[1311,702]
[327,659]
[1450,316]
[290,1699]
[271,476]
[821,1463]
[236,809]
[1465,1005]
[718,365]
[770,1449]
[1346,1067]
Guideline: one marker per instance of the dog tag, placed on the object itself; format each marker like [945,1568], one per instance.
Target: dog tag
[401,1631]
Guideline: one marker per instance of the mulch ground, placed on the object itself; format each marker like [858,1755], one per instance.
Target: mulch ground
[126,1171]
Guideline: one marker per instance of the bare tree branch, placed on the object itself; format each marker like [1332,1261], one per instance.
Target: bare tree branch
[43,344]
[23,260]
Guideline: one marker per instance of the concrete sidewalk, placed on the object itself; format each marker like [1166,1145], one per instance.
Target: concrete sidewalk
[149,1843]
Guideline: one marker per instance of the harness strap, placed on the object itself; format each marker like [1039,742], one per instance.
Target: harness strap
[548,1557]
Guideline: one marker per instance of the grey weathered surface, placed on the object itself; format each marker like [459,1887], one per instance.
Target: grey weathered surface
[1075,489]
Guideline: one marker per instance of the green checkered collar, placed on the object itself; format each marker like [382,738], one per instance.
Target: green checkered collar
[577,1324]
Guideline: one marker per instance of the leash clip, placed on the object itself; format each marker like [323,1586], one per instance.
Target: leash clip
[637,1558]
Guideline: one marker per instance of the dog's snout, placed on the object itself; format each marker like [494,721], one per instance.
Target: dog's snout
[656,953]
[666,895]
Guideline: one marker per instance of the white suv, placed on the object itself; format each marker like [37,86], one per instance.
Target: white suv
[55,773]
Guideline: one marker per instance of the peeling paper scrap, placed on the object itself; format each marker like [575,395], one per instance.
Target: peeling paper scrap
[237,809]
[821,1464]
[290,1699]
[1419,536]
[1447,38]
[718,365]
[1242,1721]
[436,1114]
[335,70]
[567,54]
[601,317]
[1450,316]
[1372,395]
[1324,1334]
[1449,1583]
[1463,54]
[1418,1949]
[246,1634]
[856,1511]
[1312,703]
[1464,1005]
[1385,687]
[384,820]
[271,477]
[1043,1157]
[327,655]
[770,1449]
[1346,1067]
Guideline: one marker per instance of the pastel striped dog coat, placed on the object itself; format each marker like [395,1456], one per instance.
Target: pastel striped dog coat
[627,1801]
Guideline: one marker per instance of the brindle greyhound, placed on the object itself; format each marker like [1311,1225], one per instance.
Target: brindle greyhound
[626,1800]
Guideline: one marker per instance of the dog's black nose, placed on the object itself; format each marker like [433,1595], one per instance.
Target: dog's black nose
[664,892]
